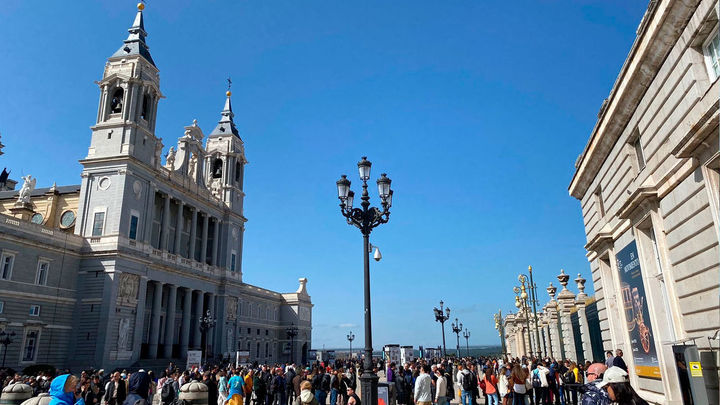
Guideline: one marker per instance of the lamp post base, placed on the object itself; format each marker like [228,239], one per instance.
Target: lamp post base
[369,388]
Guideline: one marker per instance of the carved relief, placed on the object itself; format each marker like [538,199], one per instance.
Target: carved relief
[128,289]
[123,334]
[232,309]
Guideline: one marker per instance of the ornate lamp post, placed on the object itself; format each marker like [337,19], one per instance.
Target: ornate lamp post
[350,338]
[365,219]
[521,305]
[441,317]
[457,328]
[292,331]
[466,335]
[501,330]
[533,298]
[6,340]
[207,322]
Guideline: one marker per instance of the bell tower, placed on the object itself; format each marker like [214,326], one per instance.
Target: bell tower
[129,94]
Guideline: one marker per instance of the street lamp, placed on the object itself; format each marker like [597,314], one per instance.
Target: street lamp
[521,305]
[441,317]
[466,335]
[533,298]
[207,322]
[292,331]
[365,219]
[350,338]
[501,330]
[457,328]
[6,340]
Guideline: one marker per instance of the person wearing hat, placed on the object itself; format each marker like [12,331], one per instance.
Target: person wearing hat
[592,394]
[139,389]
[615,383]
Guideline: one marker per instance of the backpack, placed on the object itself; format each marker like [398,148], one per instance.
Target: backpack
[450,391]
[167,393]
[568,377]
[326,382]
[467,382]
[536,383]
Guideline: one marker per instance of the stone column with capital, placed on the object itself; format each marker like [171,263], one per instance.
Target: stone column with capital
[566,301]
[216,242]
[197,335]
[155,320]
[166,224]
[139,318]
[582,318]
[203,245]
[179,229]
[150,215]
[185,327]
[552,310]
[193,233]
[170,321]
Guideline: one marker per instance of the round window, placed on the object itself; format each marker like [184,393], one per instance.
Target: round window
[67,219]
[37,218]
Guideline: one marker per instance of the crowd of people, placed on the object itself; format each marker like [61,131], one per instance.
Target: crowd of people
[468,381]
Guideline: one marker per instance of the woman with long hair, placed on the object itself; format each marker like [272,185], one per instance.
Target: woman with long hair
[615,382]
[517,382]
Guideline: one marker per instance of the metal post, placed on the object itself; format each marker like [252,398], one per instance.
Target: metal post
[368,380]
[534,301]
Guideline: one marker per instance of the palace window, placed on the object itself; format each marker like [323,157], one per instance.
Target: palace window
[7,262]
[42,272]
[30,345]
[639,157]
[132,234]
[98,224]
[232,262]
[711,49]
[34,310]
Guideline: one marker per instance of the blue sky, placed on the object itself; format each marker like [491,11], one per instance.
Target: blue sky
[476,110]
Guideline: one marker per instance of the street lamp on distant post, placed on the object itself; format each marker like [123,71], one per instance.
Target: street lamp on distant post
[457,328]
[501,330]
[533,298]
[350,338]
[6,339]
[292,331]
[207,322]
[441,317]
[366,218]
[466,335]
[521,305]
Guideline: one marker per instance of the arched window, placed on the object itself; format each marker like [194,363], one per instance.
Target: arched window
[145,109]
[217,168]
[238,168]
[116,103]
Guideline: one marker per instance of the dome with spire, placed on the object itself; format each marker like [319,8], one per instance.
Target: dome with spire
[135,43]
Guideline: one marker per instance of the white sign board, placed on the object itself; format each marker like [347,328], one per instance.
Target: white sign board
[194,359]
[407,354]
[392,354]
[242,357]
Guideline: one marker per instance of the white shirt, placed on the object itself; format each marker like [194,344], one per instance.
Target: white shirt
[440,387]
[422,388]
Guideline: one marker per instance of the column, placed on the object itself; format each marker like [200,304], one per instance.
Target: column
[193,233]
[139,318]
[566,300]
[149,213]
[166,224]
[582,319]
[203,245]
[170,321]
[216,242]
[197,336]
[211,333]
[185,328]
[155,321]
[179,227]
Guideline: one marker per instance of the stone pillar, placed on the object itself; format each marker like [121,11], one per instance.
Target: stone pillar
[179,228]
[216,242]
[170,321]
[582,319]
[556,346]
[155,321]
[566,301]
[16,394]
[211,332]
[139,318]
[197,336]
[193,233]
[194,393]
[185,328]
[203,245]
[150,216]
[166,224]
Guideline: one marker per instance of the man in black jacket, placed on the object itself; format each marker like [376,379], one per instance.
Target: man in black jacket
[115,393]
[618,360]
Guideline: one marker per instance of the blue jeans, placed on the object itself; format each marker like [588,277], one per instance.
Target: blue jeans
[466,397]
[561,394]
[333,396]
[321,397]
[518,399]
[493,399]
[441,400]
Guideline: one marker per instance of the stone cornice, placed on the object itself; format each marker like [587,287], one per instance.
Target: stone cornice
[661,28]
[700,131]
[641,196]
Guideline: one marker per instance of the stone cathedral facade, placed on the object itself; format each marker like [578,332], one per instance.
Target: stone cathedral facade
[118,271]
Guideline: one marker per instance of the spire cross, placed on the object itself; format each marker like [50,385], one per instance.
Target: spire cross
[229,83]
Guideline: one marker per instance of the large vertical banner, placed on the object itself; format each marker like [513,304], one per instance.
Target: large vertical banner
[636,312]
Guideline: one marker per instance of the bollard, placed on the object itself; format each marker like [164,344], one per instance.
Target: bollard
[15,394]
[42,399]
[194,393]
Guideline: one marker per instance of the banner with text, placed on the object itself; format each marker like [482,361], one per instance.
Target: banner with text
[636,312]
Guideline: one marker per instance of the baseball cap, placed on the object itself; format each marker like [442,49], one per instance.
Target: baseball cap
[613,375]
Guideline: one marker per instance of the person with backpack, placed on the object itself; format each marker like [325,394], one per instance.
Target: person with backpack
[167,391]
[258,387]
[441,388]
[489,385]
[464,382]
[289,387]
[540,384]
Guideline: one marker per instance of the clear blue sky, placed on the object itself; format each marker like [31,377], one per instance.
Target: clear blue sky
[477,111]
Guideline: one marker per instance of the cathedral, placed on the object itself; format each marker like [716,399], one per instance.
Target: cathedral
[127,268]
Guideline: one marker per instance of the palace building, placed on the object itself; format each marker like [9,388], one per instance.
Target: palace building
[647,183]
[119,270]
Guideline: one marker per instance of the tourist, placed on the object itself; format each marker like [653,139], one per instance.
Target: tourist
[234,389]
[518,376]
[489,384]
[138,389]
[441,388]
[592,394]
[609,358]
[540,383]
[464,382]
[615,382]
[306,396]
[423,396]
[352,397]
[618,360]
[212,389]
[63,391]
[115,391]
